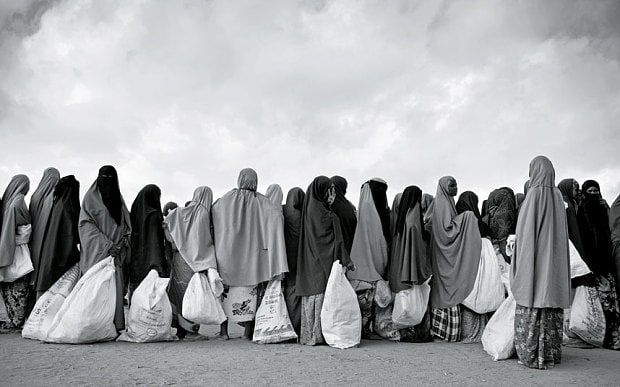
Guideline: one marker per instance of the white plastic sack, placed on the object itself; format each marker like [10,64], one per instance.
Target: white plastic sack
[273,324]
[341,319]
[586,316]
[199,303]
[22,263]
[488,292]
[498,338]
[410,305]
[87,315]
[47,306]
[577,266]
[150,313]
[383,294]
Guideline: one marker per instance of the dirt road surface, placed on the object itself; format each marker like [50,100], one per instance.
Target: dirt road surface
[213,362]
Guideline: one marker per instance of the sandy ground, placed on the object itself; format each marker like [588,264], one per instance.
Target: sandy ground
[200,362]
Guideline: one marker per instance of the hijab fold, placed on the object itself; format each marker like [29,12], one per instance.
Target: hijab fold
[540,267]
[456,245]
[190,229]
[566,188]
[468,201]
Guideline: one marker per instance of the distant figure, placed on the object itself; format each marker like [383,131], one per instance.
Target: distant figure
[540,270]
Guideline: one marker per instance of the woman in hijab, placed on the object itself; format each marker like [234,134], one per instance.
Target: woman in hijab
[394,213]
[593,221]
[427,211]
[540,270]
[249,241]
[147,236]
[369,254]
[320,244]
[274,194]
[169,248]
[344,210]
[472,323]
[468,201]
[105,230]
[189,231]
[15,231]
[502,217]
[40,210]
[292,227]
[456,246]
[60,246]
[569,188]
[409,260]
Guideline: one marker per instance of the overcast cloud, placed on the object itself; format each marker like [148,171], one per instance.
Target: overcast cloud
[186,93]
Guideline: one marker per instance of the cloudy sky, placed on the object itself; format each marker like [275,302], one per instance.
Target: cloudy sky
[186,93]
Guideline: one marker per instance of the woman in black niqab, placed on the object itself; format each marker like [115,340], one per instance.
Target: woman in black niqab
[107,183]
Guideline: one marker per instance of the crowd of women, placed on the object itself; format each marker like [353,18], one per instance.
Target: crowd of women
[250,238]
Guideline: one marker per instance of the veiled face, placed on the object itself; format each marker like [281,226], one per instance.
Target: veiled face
[575,191]
[452,187]
[593,190]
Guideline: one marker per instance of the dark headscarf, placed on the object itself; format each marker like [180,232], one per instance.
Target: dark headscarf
[147,234]
[107,183]
[59,251]
[593,219]
[292,225]
[468,201]
[412,195]
[519,198]
[344,210]
[168,248]
[502,214]
[378,188]
[320,240]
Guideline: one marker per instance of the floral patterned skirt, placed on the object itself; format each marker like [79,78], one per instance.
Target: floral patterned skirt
[606,286]
[15,295]
[538,336]
[446,323]
[311,320]
[472,325]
